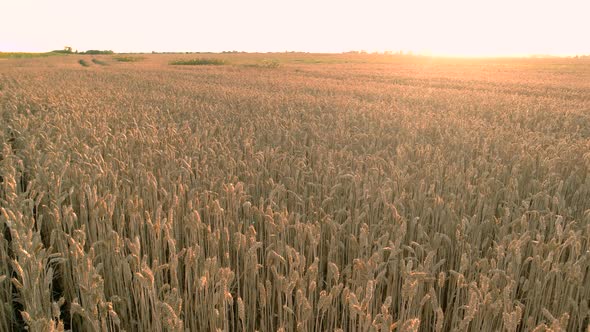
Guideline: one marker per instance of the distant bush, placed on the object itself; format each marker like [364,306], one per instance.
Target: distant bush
[128,58]
[84,63]
[266,64]
[199,62]
[98,62]
[98,52]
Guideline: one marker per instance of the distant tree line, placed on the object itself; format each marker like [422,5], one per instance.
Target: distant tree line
[68,50]
[98,52]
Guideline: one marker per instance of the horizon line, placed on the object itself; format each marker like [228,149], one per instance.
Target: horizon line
[358,52]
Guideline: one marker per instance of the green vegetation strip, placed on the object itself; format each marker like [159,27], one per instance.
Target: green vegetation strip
[128,58]
[199,62]
[24,55]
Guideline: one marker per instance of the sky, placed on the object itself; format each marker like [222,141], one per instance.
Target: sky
[435,27]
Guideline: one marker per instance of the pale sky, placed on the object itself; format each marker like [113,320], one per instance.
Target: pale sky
[454,27]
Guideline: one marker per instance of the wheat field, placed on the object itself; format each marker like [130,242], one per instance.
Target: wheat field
[294,192]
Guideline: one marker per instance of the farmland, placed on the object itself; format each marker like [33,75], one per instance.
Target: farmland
[294,192]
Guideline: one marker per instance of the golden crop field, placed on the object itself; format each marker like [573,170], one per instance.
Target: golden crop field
[294,192]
